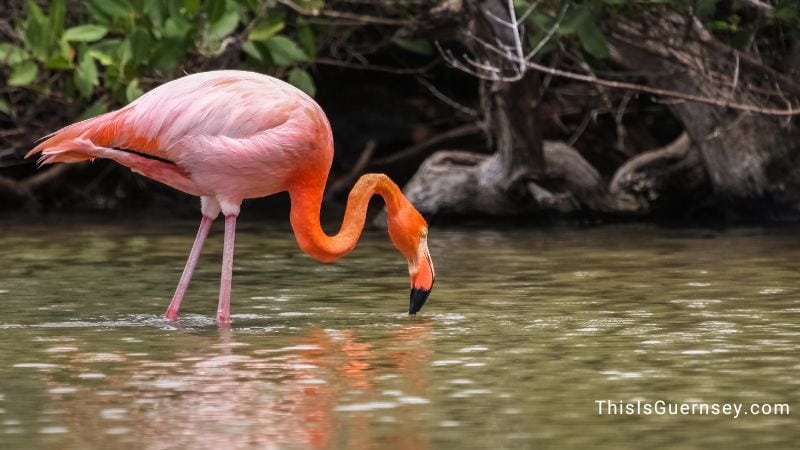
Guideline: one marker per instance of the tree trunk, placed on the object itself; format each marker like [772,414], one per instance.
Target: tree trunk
[456,183]
[523,175]
[749,158]
[665,182]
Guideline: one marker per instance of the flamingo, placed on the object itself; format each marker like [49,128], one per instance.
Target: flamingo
[229,135]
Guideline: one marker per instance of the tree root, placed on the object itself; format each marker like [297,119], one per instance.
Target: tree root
[457,183]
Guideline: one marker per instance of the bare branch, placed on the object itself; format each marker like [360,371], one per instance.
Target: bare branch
[528,11]
[735,76]
[518,32]
[549,35]
[758,4]
[346,15]
[522,63]
[581,128]
[347,180]
[463,130]
[789,111]
[377,68]
[445,99]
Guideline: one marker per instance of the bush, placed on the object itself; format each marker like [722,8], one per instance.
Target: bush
[120,43]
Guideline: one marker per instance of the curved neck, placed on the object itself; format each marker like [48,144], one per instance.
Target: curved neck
[305,215]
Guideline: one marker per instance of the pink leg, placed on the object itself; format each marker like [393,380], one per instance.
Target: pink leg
[186,277]
[224,308]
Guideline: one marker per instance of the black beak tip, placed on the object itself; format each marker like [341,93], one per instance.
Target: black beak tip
[418,298]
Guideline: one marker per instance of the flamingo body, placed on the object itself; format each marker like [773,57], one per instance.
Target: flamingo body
[230,135]
[233,134]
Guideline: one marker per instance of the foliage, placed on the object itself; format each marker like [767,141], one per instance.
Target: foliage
[119,44]
[733,21]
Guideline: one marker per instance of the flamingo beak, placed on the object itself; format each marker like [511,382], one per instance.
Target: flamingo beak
[418,298]
[422,278]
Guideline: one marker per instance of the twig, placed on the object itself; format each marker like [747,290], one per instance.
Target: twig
[527,12]
[463,130]
[549,34]
[517,31]
[447,100]
[363,160]
[377,68]
[25,188]
[758,4]
[346,15]
[789,111]
[521,65]
[621,132]
[735,77]
[581,128]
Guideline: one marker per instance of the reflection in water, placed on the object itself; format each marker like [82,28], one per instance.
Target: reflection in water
[233,396]
[525,331]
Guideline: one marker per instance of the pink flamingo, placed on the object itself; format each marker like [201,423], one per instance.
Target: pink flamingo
[230,135]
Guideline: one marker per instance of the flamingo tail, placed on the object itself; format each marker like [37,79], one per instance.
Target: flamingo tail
[68,144]
[75,142]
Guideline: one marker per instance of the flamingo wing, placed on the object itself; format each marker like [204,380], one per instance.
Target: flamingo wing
[232,104]
[230,133]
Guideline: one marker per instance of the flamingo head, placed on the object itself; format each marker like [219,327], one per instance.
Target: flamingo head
[409,233]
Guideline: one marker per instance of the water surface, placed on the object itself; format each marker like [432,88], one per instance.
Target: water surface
[524,331]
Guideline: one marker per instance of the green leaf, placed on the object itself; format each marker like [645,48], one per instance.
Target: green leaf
[250,49]
[265,29]
[312,6]
[573,19]
[5,108]
[95,109]
[85,75]
[541,22]
[176,27]
[224,26]
[124,53]
[252,5]
[301,79]
[419,46]
[23,74]
[133,91]
[140,45]
[66,51]
[85,33]
[101,56]
[215,9]
[592,40]
[305,35]
[155,10]
[284,51]
[191,6]
[107,48]
[534,40]
[11,54]
[58,10]
[167,54]
[37,31]
[114,8]
[58,62]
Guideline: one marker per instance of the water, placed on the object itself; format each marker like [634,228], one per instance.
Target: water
[524,331]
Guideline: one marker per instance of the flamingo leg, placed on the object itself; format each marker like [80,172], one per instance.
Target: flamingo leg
[224,308]
[186,277]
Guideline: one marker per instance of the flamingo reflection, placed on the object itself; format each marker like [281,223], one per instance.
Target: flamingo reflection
[223,393]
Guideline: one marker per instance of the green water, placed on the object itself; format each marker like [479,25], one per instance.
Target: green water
[524,331]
